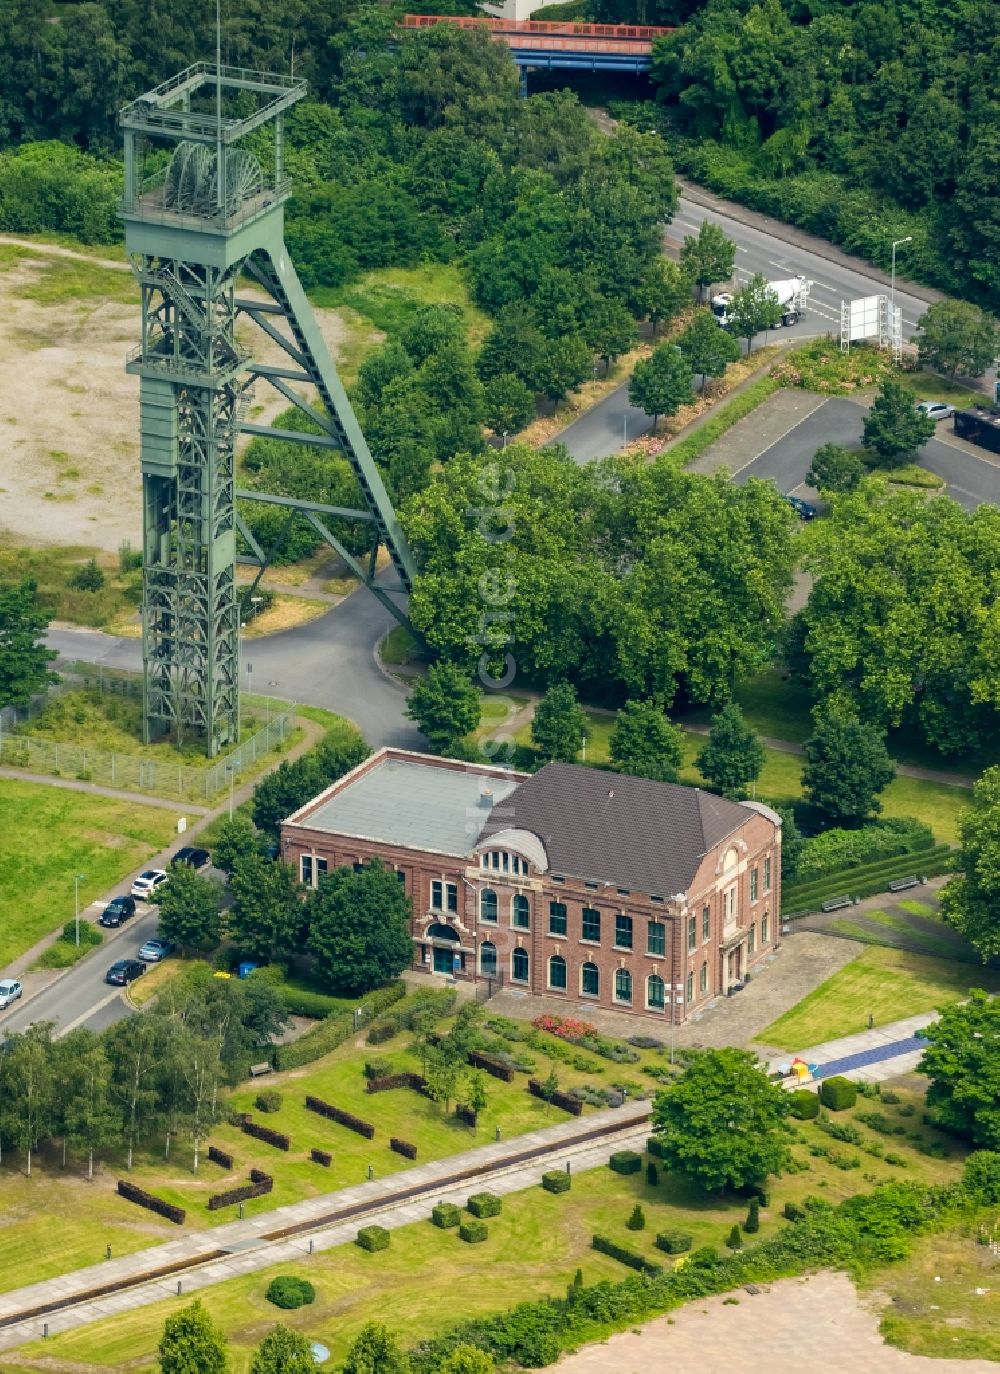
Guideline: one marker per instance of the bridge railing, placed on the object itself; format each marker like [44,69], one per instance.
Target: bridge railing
[567,28]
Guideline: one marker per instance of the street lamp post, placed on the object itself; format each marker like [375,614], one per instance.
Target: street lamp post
[896,243]
[231,770]
[77,880]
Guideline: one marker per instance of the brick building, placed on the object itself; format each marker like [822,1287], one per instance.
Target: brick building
[572,883]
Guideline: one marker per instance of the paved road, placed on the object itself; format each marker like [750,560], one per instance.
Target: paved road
[971,480]
[603,430]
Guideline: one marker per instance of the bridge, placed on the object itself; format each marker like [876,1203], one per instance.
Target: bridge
[552,44]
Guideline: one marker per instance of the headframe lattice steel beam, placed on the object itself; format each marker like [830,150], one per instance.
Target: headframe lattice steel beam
[202,215]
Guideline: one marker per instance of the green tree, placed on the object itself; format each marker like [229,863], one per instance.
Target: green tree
[283,1351]
[847,763]
[445,706]
[442,1078]
[719,1122]
[467,1359]
[734,755]
[267,915]
[559,727]
[754,308]
[477,1094]
[954,336]
[190,909]
[295,782]
[708,257]
[508,404]
[835,468]
[24,659]
[663,292]
[645,744]
[610,331]
[376,1351]
[971,900]
[962,1060]
[192,1344]
[379,370]
[28,1086]
[136,1051]
[564,364]
[90,1121]
[236,839]
[708,349]
[661,384]
[359,929]
[894,427]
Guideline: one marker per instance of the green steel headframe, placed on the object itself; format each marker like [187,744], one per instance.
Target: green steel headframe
[202,214]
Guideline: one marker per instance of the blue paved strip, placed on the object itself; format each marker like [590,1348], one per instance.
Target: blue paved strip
[873,1056]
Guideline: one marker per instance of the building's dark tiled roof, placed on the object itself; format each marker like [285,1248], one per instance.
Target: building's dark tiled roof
[608,827]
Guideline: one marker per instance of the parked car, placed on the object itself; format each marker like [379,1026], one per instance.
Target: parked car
[125,971]
[118,911]
[803,509]
[10,991]
[194,858]
[937,410]
[147,882]
[155,950]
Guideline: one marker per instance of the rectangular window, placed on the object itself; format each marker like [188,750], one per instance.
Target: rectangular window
[656,938]
[557,877]
[495,858]
[753,883]
[689,989]
[729,905]
[654,898]
[767,874]
[320,869]
[763,929]
[706,924]
[306,870]
[444,896]
[692,932]
[591,928]
[752,938]
[506,862]
[484,861]
[703,979]
[437,896]
[623,932]
[592,886]
[400,877]
[359,867]
[519,966]
[521,912]
[623,892]
[557,918]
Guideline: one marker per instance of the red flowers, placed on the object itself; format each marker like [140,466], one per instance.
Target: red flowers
[566,1027]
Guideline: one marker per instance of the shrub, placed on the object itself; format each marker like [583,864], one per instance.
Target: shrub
[637,1219]
[152,1204]
[654,1146]
[403,1147]
[88,577]
[792,1211]
[373,1238]
[981,1177]
[288,1291]
[892,1158]
[378,1068]
[335,1029]
[387,1082]
[220,1157]
[445,1215]
[624,1255]
[752,1223]
[323,1157]
[625,1162]
[804,1104]
[890,1098]
[269,1101]
[876,1121]
[838,1093]
[484,1205]
[474,1231]
[652,1174]
[566,1101]
[353,1123]
[673,1242]
[465,1114]
[275,1138]
[842,1131]
[259,1187]
[734,1240]
[556,1181]
[837,849]
[378,1035]
[492,1065]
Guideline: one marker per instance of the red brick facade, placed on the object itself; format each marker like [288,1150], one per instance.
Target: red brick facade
[620,950]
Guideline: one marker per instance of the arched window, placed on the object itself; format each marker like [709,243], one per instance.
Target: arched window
[731,860]
[557,972]
[488,905]
[488,959]
[521,912]
[590,980]
[655,991]
[623,985]
[519,966]
[438,931]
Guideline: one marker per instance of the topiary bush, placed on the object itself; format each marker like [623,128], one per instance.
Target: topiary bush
[752,1222]
[378,1068]
[288,1291]
[804,1104]
[674,1242]
[735,1240]
[652,1174]
[637,1219]
[556,1181]
[838,1093]
[484,1205]
[473,1231]
[625,1162]
[269,1101]
[446,1214]
[792,1211]
[373,1238]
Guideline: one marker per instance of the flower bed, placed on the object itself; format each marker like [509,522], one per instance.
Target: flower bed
[585,1035]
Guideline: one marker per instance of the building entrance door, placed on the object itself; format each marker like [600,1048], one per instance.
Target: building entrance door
[735,960]
[443,960]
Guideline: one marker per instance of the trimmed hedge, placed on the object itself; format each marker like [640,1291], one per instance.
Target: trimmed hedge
[131,1193]
[496,1067]
[570,1104]
[674,1242]
[868,879]
[446,1214]
[373,1238]
[626,1256]
[323,1157]
[221,1157]
[804,1104]
[288,1291]
[259,1176]
[556,1181]
[378,1035]
[403,1147]
[278,1139]
[484,1205]
[269,1101]
[384,1083]
[335,1029]
[474,1231]
[625,1162]
[258,1188]
[466,1115]
[353,1123]
[655,1147]
[838,850]
[838,1093]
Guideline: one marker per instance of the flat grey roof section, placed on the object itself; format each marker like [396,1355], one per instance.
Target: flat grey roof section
[412,804]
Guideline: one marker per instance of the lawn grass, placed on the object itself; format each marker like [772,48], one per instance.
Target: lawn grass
[722,420]
[931,944]
[398,648]
[70,832]
[111,607]
[888,984]
[534,1248]
[57,280]
[391,297]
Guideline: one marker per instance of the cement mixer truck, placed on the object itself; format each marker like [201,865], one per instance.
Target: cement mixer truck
[792,294]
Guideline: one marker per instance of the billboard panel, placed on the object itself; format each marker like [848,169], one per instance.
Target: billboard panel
[865,315]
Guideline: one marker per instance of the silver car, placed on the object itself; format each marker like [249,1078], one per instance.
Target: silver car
[10,991]
[937,410]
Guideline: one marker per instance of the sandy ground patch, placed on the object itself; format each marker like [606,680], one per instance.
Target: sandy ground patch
[69,420]
[817,1323]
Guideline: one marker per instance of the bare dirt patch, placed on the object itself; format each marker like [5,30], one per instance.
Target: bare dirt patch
[69,463]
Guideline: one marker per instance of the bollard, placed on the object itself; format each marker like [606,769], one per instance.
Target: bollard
[310,1245]
[498,1133]
[371,1172]
[241,1211]
[107,1253]
[567,1166]
[45,1328]
[179,1287]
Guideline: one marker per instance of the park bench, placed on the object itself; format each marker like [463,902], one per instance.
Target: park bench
[835,903]
[256,1070]
[901,884]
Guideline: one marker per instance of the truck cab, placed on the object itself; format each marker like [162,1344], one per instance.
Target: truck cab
[792,294]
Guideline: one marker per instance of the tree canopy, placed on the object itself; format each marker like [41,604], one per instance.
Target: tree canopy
[661,384]
[954,336]
[190,909]
[971,900]
[962,1060]
[734,755]
[191,1343]
[645,743]
[847,763]
[24,658]
[359,929]
[445,705]
[559,727]
[894,427]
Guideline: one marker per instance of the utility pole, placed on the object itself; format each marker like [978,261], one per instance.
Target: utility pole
[77,880]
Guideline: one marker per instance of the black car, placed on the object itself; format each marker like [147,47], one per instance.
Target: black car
[125,971]
[803,509]
[117,911]
[194,858]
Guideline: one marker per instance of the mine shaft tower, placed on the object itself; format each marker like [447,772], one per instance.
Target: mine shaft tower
[204,211]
